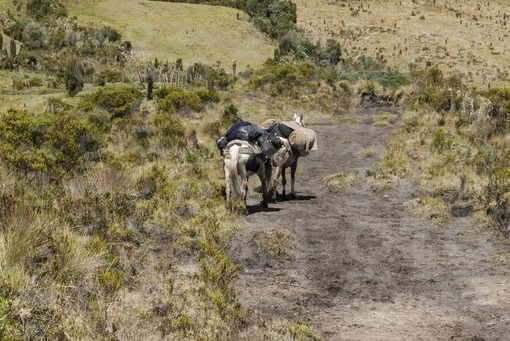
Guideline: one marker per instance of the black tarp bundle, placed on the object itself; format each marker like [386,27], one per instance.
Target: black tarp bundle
[242,130]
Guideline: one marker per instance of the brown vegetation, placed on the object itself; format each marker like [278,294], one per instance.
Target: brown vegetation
[469,38]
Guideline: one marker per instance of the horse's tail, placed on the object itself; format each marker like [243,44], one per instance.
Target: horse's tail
[234,178]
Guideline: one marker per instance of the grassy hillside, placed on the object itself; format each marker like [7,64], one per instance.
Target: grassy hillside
[195,33]
[132,187]
[468,37]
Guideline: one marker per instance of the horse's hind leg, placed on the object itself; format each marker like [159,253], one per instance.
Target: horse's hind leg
[228,186]
[293,168]
[284,182]
[263,183]
[246,195]
[277,171]
[269,183]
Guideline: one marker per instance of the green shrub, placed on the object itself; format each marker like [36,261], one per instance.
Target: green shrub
[439,141]
[47,143]
[35,81]
[500,109]
[208,95]
[54,105]
[110,76]
[45,9]
[73,75]
[492,163]
[285,79]
[72,138]
[230,114]
[118,101]
[173,100]
[433,90]
[172,130]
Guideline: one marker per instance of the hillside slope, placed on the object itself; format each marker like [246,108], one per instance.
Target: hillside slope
[467,37]
[167,31]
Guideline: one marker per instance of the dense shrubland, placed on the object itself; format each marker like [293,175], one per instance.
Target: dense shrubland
[83,210]
[116,201]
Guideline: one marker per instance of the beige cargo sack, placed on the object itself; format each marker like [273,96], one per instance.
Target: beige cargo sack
[303,140]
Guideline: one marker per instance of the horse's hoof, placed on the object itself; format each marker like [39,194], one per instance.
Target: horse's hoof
[264,204]
[293,196]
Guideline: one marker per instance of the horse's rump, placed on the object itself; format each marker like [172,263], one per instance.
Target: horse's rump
[245,147]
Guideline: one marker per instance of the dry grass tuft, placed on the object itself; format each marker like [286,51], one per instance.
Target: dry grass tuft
[277,243]
[110,180]
[368,152]
[382,184]
[7,180]
[337,182]
[395,160]
[429,208]
[384,119]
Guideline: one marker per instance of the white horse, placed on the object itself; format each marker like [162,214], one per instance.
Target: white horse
[241,160]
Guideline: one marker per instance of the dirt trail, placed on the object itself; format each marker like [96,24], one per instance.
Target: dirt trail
[358,267]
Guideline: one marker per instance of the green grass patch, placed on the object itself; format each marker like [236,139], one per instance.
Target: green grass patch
[167,31]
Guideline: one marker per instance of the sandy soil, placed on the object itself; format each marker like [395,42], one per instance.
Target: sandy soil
[356,266]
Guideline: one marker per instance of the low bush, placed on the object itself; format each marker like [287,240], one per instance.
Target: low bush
[499,110]
[117,101]
[287,79]
[172,132]
[433,91]
[110,76]
[173,100]
[50,144]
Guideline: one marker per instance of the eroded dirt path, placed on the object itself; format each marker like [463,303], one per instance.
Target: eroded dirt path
[356,266]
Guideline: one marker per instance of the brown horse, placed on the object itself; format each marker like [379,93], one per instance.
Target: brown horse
[287,160]
[241,160]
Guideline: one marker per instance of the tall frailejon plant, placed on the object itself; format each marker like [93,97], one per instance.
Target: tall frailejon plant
[150,86]
[73,75]
[12,47]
